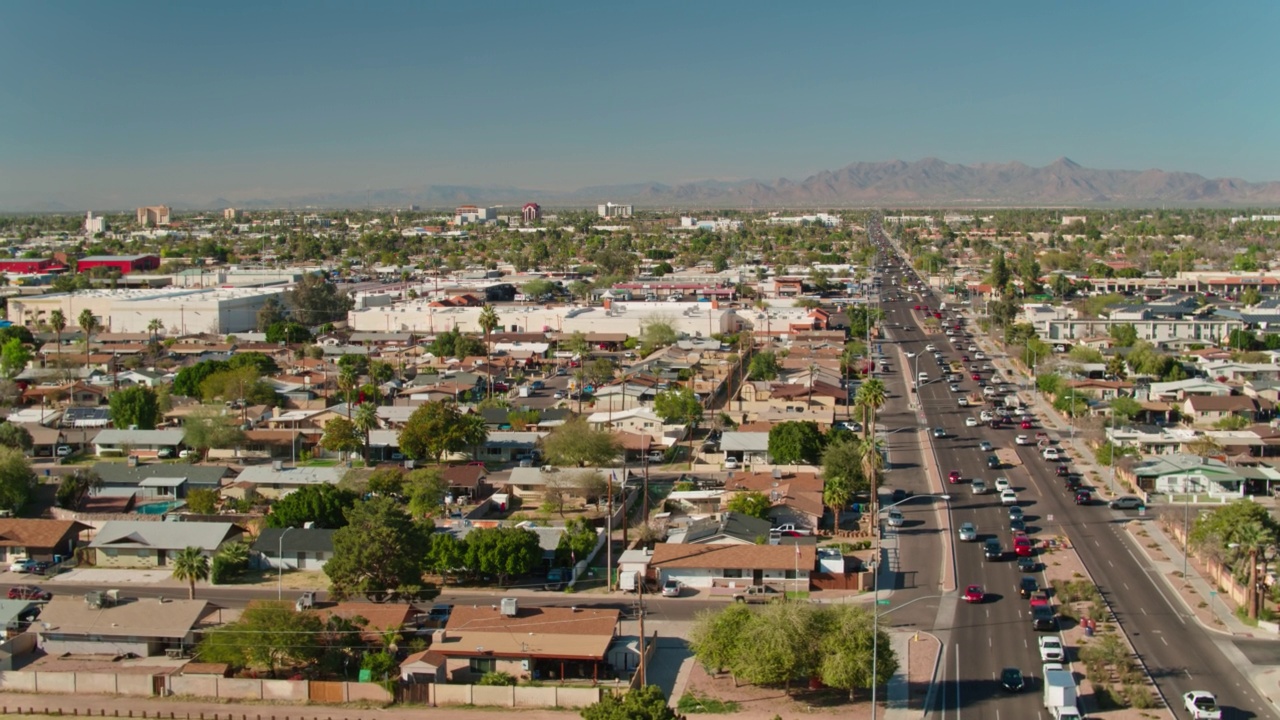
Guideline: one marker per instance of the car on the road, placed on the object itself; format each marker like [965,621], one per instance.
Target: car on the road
[1011,680]
[559,395]
[1015,513]
[1126,502]
[1022,546]
[971,421]
[1051,454]
[1002,484]
[978,486]
[930,348]
[968,532]
[1072,482]
[1043,618]
[1202,705]
[1027,585]
[896,518]
[1008,497]
[1022,440]
[1051,649]
[1063,471]
[953,477]
[993,462]
[29,592]
[1084,497]
[1017,525]
[974,594]
[910,354]
[991,549]
[899,495]
[985,446]
[939,432]
[671,588]
[1028,564]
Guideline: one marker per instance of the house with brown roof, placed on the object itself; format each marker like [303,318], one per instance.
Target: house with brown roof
[733,564]
[796,496]
[1207,409]
[37,539]
[529,643]
[375,618]
[141,626]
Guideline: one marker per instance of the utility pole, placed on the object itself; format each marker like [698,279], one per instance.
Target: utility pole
[640,614]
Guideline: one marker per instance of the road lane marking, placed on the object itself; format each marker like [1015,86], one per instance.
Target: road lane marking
[1144,610]
[1111,563]
[1166,642]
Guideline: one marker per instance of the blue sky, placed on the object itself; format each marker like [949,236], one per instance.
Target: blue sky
[113,104]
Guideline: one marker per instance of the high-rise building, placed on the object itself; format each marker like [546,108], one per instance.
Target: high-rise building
[609,210]
[231,214]
[94,224]
[153,216]
[532,212]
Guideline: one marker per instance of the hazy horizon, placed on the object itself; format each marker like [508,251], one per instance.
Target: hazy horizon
[113,105]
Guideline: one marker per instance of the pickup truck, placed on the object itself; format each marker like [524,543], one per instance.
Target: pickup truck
[749,594]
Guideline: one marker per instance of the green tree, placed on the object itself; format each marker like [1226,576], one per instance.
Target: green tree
[206,428]
[386,480]
[271,313]
[136,406]
[244,383]
[323,505]
[1250,297]
[783,646]
[576,444]
[1124,334]
[755,504]
[379,553]
[437,428]
[842,476]
[316,301]
[847,645]
[488,322]
[764,366]
[58,323]
[1116,367]
[189,566]
[502,551]
[365,422]
[871,396]
[202,501]
[680,406]
[576,542]
[14,357]
[446,554]
[340,436]
[17,480]
[425,488]
[88,325]
[15,436]
[655,334]
[269,634]
[795,443]
[76,487]
[717,636]
[288,332]
[1125,409]
[645,703]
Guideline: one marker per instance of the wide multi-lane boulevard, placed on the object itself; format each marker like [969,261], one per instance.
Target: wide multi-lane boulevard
[981,639]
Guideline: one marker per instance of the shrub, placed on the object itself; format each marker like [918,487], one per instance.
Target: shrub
[496,678]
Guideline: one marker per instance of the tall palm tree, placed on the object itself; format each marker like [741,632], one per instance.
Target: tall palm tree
[58,322]
[1252,538]
[189,566]
[488,323]
[813,375]
[154,327]
[348,378]
[872,396]
[88,323]
[366,420]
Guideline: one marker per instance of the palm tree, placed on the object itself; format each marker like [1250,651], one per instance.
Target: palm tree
[813,375]
[88,323]
[1252,538]
[871,396]
[191,565]
[488,323]
[366,420]
[348,377]
[58,322]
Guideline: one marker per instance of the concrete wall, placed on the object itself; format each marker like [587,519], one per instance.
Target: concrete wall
[286,690]
[239,689]
[194,685]
[514,696]
[367,692]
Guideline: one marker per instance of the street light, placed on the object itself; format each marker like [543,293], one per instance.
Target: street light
[280,564]
[875,595]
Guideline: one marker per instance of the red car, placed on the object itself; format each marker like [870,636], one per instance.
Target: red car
[916,307]
[953,476]
[1025,424]
[1022,546]
[29,592]
[937,316]
[976,377]
[974,594]
[1039,598]
[964,358]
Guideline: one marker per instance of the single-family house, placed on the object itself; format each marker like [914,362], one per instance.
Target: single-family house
[466,482]
[138,626]
[796,496]
[726,528]
[275,480]
[302,548]
[533,643]
[157,480]
[733,564]
[1178,390]
[38,539]
[636,420]
[138,544]
[114,441]
[509,446]
[748,448]
[1186,474]
[1209,409]
[378,618]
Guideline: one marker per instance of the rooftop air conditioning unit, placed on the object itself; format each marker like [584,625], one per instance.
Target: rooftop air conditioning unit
[509,607]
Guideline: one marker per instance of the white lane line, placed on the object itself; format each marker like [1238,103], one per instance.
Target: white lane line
[1126,585]
[989,643]
[1144,610]
[1111,563]
[1188,672]
[1095,542]
[1166,642]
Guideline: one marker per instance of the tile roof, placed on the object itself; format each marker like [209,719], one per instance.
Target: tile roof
[38,534]
[549,632]
[717,556]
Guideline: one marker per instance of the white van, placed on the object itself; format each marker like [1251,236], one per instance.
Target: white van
[922,377]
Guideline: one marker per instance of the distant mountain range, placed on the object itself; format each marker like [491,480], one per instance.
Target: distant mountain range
[929,182]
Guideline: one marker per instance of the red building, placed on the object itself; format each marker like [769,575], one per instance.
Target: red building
[124,263]
[531,212]
[30,265]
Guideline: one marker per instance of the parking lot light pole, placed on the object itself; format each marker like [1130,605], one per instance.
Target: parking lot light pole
[875,594]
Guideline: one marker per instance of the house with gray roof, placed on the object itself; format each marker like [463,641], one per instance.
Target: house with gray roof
[300,548]
[113,441]
[149,480]
[141,544]
[276,480]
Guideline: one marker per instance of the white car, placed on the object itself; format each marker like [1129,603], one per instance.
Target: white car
[973,348]
[963,402]
[896,518]
[910,354]
[971,422]
[930,348]
[954,387]
[1008,497]
[979,356]
[1051,453]
[730,464]
[988,391]
[985,416]
[979,487]
[1051,649]
[1202,705]
[968,532]
[1022,440]
[1002,484]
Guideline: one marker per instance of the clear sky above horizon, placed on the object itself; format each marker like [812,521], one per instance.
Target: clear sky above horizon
[113,104]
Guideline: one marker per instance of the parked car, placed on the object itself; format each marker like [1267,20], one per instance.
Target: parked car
[671,588]
[29,592]
[1126,502]
[21,566]
[730,464]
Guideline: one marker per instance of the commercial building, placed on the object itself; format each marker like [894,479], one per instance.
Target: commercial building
[609,210]
[153,216]
[94,224]
[532,212]
[471,214]
[179,310]
[124,263]
[230,214]
[30,265]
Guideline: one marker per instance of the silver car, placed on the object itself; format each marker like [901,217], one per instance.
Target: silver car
[968,532]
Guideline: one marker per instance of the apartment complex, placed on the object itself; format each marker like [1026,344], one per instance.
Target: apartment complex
[153,216]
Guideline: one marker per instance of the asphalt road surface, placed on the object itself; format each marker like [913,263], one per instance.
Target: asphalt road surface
[981,639]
